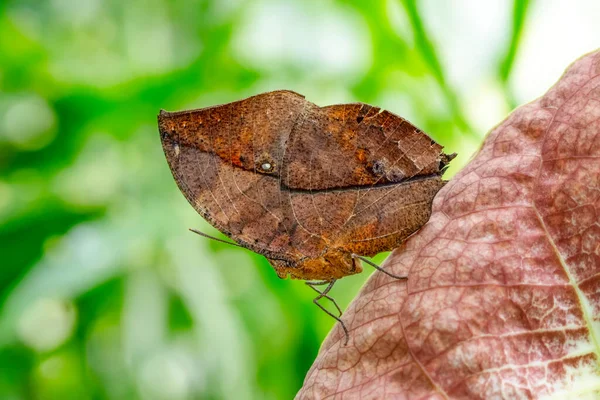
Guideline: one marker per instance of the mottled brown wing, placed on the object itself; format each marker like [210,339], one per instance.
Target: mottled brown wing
[216,155]
[366,220]
[384,217]
[346,176]
[360,177]
[349,145]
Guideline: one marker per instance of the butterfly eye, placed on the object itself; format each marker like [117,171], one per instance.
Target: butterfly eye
[266,166]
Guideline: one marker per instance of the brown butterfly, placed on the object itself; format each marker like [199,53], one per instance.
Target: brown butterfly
[313,189]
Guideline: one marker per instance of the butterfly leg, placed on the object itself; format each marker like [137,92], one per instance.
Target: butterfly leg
[325,295]
[377,267]
[317,283]
[324,292]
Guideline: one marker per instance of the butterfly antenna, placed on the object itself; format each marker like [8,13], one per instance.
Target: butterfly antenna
[213,238]
[377,267]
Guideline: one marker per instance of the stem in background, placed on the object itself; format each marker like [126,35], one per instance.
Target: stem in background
[519,16]
[427,50]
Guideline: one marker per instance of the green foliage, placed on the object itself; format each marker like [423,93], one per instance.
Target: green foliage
[105,294]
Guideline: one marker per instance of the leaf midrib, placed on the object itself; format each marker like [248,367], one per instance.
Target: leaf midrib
[583,300]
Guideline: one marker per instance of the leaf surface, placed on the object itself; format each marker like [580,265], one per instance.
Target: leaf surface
[503,295]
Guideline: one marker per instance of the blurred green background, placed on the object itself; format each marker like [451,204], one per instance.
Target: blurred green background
[104,292]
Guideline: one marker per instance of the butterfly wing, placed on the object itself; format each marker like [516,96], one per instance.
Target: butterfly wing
[291,180]
[216,156]
[360,177]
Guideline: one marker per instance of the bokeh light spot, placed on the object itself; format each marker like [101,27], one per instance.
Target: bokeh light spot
[29,122]
[47,323]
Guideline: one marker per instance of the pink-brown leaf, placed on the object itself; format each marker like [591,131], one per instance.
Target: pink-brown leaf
[503,294]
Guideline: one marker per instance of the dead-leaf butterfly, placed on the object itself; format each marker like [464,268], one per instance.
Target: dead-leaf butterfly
[313,189]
